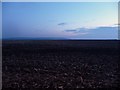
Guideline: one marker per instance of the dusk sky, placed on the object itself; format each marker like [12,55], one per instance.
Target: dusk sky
[79,20]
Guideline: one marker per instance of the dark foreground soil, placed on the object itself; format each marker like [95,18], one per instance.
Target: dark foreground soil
[60,64]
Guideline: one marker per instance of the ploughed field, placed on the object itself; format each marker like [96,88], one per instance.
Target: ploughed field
[60,64]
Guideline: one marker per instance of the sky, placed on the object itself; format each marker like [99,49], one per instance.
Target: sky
[78,20]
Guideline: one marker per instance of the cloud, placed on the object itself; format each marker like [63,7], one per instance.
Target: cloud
[72,30]
[98,32]
[102,28]
[116,25]
[62,24]
[105,28]
[77,30]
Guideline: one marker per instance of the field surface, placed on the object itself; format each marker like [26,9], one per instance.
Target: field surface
[60,64]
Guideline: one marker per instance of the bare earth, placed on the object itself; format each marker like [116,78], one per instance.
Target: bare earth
[60,64]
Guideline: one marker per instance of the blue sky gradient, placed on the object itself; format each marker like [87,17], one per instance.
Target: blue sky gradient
[92,20]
